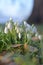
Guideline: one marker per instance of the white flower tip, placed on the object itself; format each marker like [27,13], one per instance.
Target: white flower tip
[9,26]
[32,25]
[34,29]
[17,30]
[25,22]
[39,37]
[19,36]
[6,30]
[10,19]
[36,35]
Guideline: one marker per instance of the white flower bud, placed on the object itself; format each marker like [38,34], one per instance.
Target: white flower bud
[19,35]
[9,26]
[34,30]
[17,30]
[28,36]
[39,37]
[36,35]
[6,30]
[15,27]
[25,23]
[28,27]
[10,19]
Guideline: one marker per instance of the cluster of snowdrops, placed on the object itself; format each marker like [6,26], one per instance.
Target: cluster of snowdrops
[17,33]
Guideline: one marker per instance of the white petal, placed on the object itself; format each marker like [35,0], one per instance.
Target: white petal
[34,30]
[10,18]
[36,35]
[9,26]
[25,23]
[28,36]
[19,35]
[39,37]
[17,30]
[6,30]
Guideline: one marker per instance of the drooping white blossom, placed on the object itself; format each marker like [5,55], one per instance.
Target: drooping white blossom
[39,37]
[25,23]
[15,27]
[19,35]
[6,30]
[28,27]
[34,29]
[28,36]
[10,19]
[36,35]
[9,26]
[17,30]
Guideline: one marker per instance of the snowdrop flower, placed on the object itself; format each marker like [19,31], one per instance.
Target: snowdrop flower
[17,30]
[6,30]
[9,26]
[15,27]
[10,19]
[28,36]
[28,27]
[16,24]
[19,35]
[36,35]
[25,23]
[39,37]
[34,29]
[32,25]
